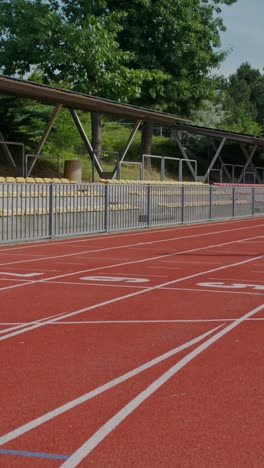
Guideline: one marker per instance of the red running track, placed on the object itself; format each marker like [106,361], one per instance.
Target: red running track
[140,349]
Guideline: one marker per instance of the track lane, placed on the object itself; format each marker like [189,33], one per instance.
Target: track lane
[180,304]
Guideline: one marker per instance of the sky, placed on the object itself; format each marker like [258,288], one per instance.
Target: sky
[244,37]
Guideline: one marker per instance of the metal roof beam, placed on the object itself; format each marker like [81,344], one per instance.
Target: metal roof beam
[45,136]
[211,165]
[86,141]
[212,132]
[6,150]
[129,142]
[185,155]
[68,98]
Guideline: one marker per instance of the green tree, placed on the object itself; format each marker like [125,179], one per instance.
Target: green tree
[156,53]
[177,37]
[244,101]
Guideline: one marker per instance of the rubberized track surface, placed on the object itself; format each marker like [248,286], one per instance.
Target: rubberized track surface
[140,349]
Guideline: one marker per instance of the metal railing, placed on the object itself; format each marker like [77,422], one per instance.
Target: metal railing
[37,157]
[39,211]
[163,160]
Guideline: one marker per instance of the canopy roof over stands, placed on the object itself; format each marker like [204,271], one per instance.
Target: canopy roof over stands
[72,99]
[77,101]
[215,133]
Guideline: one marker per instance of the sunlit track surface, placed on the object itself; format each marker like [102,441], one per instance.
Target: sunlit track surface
[137,349]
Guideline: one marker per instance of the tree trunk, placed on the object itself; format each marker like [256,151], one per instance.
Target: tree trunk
[146,142]
[96,133]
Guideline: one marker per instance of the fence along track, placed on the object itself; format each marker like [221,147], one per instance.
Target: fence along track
[40,211]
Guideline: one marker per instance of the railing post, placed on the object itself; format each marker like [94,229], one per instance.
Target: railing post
[180,170]
[253,201]
[149,205]
[51,209]
[106,213]
[182,204]
[210,201]
[233,201]
[162,169]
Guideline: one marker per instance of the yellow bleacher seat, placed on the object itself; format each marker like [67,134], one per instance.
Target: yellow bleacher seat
[10,179]
[20,180]
[30,180]
[39,180]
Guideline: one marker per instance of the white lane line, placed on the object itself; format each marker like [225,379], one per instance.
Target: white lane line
[29,268]
[140,232]
[27,324]
[12,323]
[42,323]
[87,283]
[129,245]
[113,422]
[125,322]
[133,262]
[185,321]
[103,388]
[249,242]
[23,275]
[236,280]
[16,280]
[212,291]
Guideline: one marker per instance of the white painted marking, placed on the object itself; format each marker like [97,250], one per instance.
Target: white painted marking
[97,391]
[42,323]
[21,275]
[105,285]
[133,245]
[114,279]
[134,262]
[113,322]
[221,284]
[14,279]
[215,291]
[236,280]
[29,324]
[13,323]
[113,422]
[125,322]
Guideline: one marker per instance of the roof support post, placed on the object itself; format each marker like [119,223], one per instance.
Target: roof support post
[45,136]
[249,162]
[86,141]
[6,150]
[129,142]
[183,152]
[218,151]
[221,160]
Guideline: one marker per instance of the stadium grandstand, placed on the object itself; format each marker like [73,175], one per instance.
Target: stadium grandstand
[41,207]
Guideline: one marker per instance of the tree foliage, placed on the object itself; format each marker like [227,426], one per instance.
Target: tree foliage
[154,52]
[244,101]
